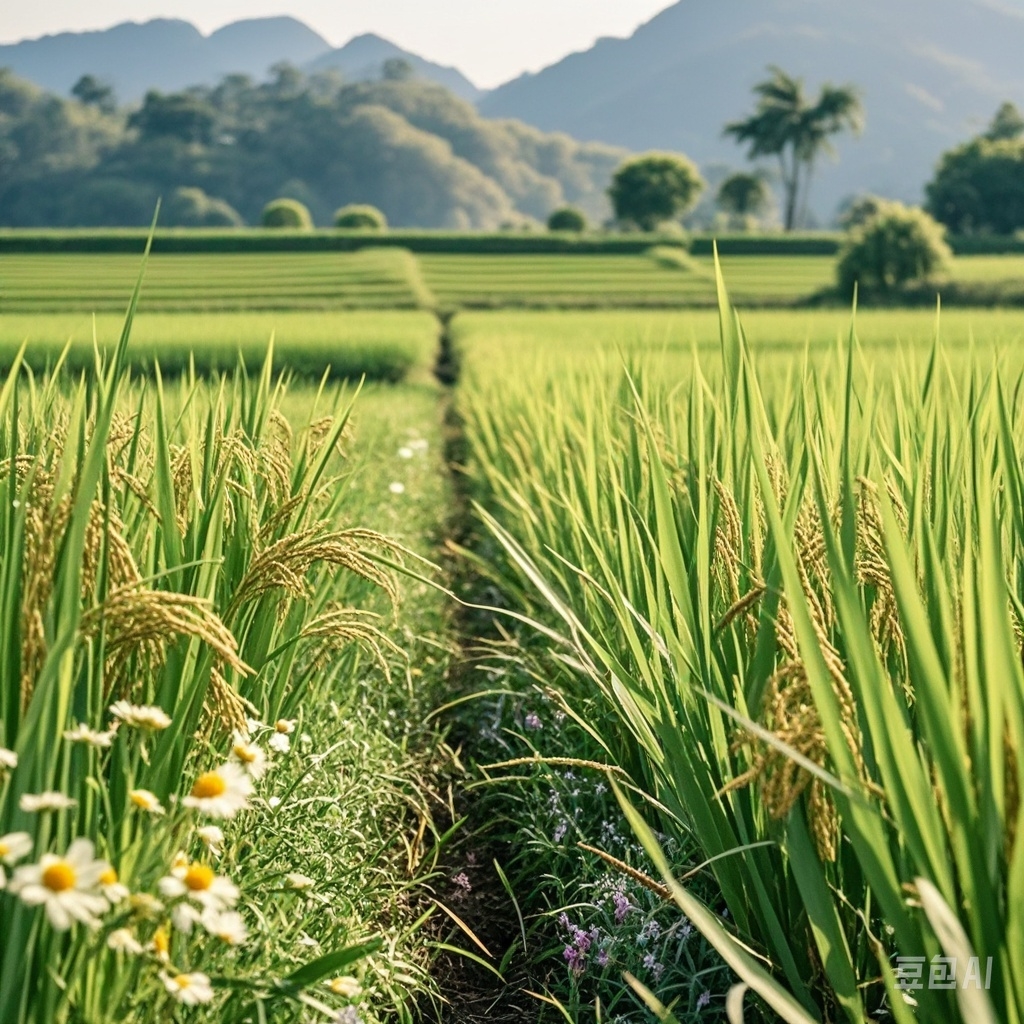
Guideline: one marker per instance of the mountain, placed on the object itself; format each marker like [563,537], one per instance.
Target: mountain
[931,72]
[169,55]
[161,54]
[362,59]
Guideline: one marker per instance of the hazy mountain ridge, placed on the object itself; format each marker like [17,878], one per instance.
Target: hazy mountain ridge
[931,73]
[170,54]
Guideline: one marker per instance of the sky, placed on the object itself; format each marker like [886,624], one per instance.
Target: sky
[491,41]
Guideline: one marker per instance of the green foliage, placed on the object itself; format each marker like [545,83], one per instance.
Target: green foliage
[860,210]
[568,218]
[1008,123]
[894,247]
[654,188]
[979,187]
[90,91]
[417,153]
[360,217]
[192,207]
[744,198]
[787,125]
[286,213]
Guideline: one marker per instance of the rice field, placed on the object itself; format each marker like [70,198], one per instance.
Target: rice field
[666,666]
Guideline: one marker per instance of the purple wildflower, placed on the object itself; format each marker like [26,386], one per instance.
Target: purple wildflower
[462,881]
[533,721]
[703,999]
[559,833]
[653,966]
[575,959]
[622,906]
[602,958]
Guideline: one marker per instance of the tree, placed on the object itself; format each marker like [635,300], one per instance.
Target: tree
[360,217]
[1008,123]
[787,125]
[181,116]
[286,213]
[568,218]
[654,188]
[859,210]
[91,92]
[895,247]
[397,69]
[979,187]
[744,197]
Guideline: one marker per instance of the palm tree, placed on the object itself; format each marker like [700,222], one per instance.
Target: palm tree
[786,125]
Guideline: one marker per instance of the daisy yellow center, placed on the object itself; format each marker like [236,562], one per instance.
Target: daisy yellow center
[198,878]
[161,943]
[245,753]
[4,849]
[283,726]
[109,877]
[59,877]
[183,981]
[208,786]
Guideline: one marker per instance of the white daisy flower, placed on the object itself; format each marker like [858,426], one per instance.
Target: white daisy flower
[286,725]
[281,742]
[184,917]
[81,733]
[274,802]
[121,940]
[296,881]
[146,801]
[8,759]
[66,886]
[190,989]
[226,925]
[251,757]
[254,726]
[49,801]
[213,839]
[140,716]
[405,452]
[348,987]
[221,793]
[396,487]
[112,888]
[201,884]
[13,847]
[160,945]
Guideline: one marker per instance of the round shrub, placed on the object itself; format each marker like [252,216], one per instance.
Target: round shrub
[193,208]
[286,213]
[567,219]
[892,248]
[360,217]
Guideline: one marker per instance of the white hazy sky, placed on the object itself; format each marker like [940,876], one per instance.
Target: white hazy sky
[491,41]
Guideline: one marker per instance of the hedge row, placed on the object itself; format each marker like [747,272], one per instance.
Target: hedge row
[212,240]
[254,240]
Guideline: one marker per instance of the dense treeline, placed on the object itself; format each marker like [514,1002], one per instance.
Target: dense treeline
[217,155]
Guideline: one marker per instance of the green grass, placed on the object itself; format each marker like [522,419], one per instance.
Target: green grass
[382,344]
[372,278]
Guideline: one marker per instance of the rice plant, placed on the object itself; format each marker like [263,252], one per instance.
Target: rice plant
[796,581]
[175,566]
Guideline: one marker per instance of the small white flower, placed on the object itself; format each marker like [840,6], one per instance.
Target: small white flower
[112,888]
[221,793]
[121,940]
[405,452]
[13,847]
[190,989]
[254,726]
[66,886]
[251,757]
[81,733]
[348,987]
[396,487]
[419,444]
[274,802]
[146,801]
[184,917]
[201,884]
[49,801]
[226,925]
[213,839]
[296,881]
[141,716]
[281,742]
[285,725]
[8,759]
